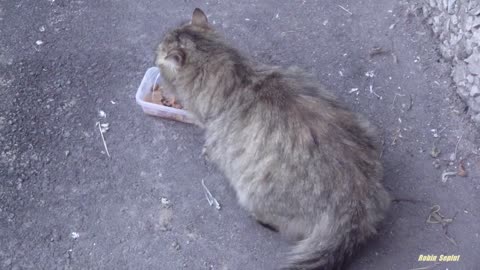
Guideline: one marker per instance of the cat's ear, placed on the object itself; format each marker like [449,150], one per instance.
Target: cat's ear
[176,57]
[199,18]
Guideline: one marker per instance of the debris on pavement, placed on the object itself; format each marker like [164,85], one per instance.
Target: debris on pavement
[165,201]
[456,146]
[346,10]
[396,135]
[410,104]
[102,114]
[446,174]
[176,245]
[435,217]
[353,90]
[461,170]
[211,200]
[435,152]
[103,128]
[75,235]
[377,51]
[374,93]
[436,164]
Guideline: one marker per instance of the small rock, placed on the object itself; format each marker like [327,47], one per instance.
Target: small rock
[454,19]
[75,235]
[474,63]
[165,201]
[476,118]
[475,91]
[468,23]
[475,11]
[459,72]
[476,22]
[474,104]
[463,92]
[470,78]
[39,42]
[176,245]
[477,100]
[450,6]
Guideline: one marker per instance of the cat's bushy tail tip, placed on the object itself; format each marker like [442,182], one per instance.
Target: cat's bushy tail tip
[320,251]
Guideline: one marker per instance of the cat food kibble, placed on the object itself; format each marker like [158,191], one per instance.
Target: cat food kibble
[155,96]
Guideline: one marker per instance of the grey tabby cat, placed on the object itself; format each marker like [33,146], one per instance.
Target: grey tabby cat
[299,161]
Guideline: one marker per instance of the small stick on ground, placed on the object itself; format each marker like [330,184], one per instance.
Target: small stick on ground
[447,235]
[394,57]
[411,103]
[399,200]
[456,146]
[377,51]
[211,200]
[103,138]
[374,93]
[346,10]
[435,217]
[426,267]
[451,239]
[397,135]
[383,148]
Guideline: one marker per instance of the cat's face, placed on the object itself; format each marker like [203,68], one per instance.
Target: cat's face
[178,48]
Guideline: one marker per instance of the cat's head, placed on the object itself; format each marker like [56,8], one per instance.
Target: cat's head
[182,46]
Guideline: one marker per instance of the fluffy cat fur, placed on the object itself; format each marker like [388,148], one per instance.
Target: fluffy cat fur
[299,161]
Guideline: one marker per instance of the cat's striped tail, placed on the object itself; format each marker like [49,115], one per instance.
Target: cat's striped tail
[324,249]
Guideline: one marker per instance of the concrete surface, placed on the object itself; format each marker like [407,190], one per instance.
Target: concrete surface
[64,204]
[457,25]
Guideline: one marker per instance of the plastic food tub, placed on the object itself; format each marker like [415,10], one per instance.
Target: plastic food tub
[148,82]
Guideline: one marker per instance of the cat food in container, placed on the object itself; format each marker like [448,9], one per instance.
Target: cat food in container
[149,97]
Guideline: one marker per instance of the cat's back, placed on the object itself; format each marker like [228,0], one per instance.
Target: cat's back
[285,117]
[307,110]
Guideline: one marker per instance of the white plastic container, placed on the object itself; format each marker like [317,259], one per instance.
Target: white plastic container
[148,82]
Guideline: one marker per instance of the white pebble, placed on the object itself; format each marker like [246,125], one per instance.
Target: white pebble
[165,201]
[75,235]
[39,42]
